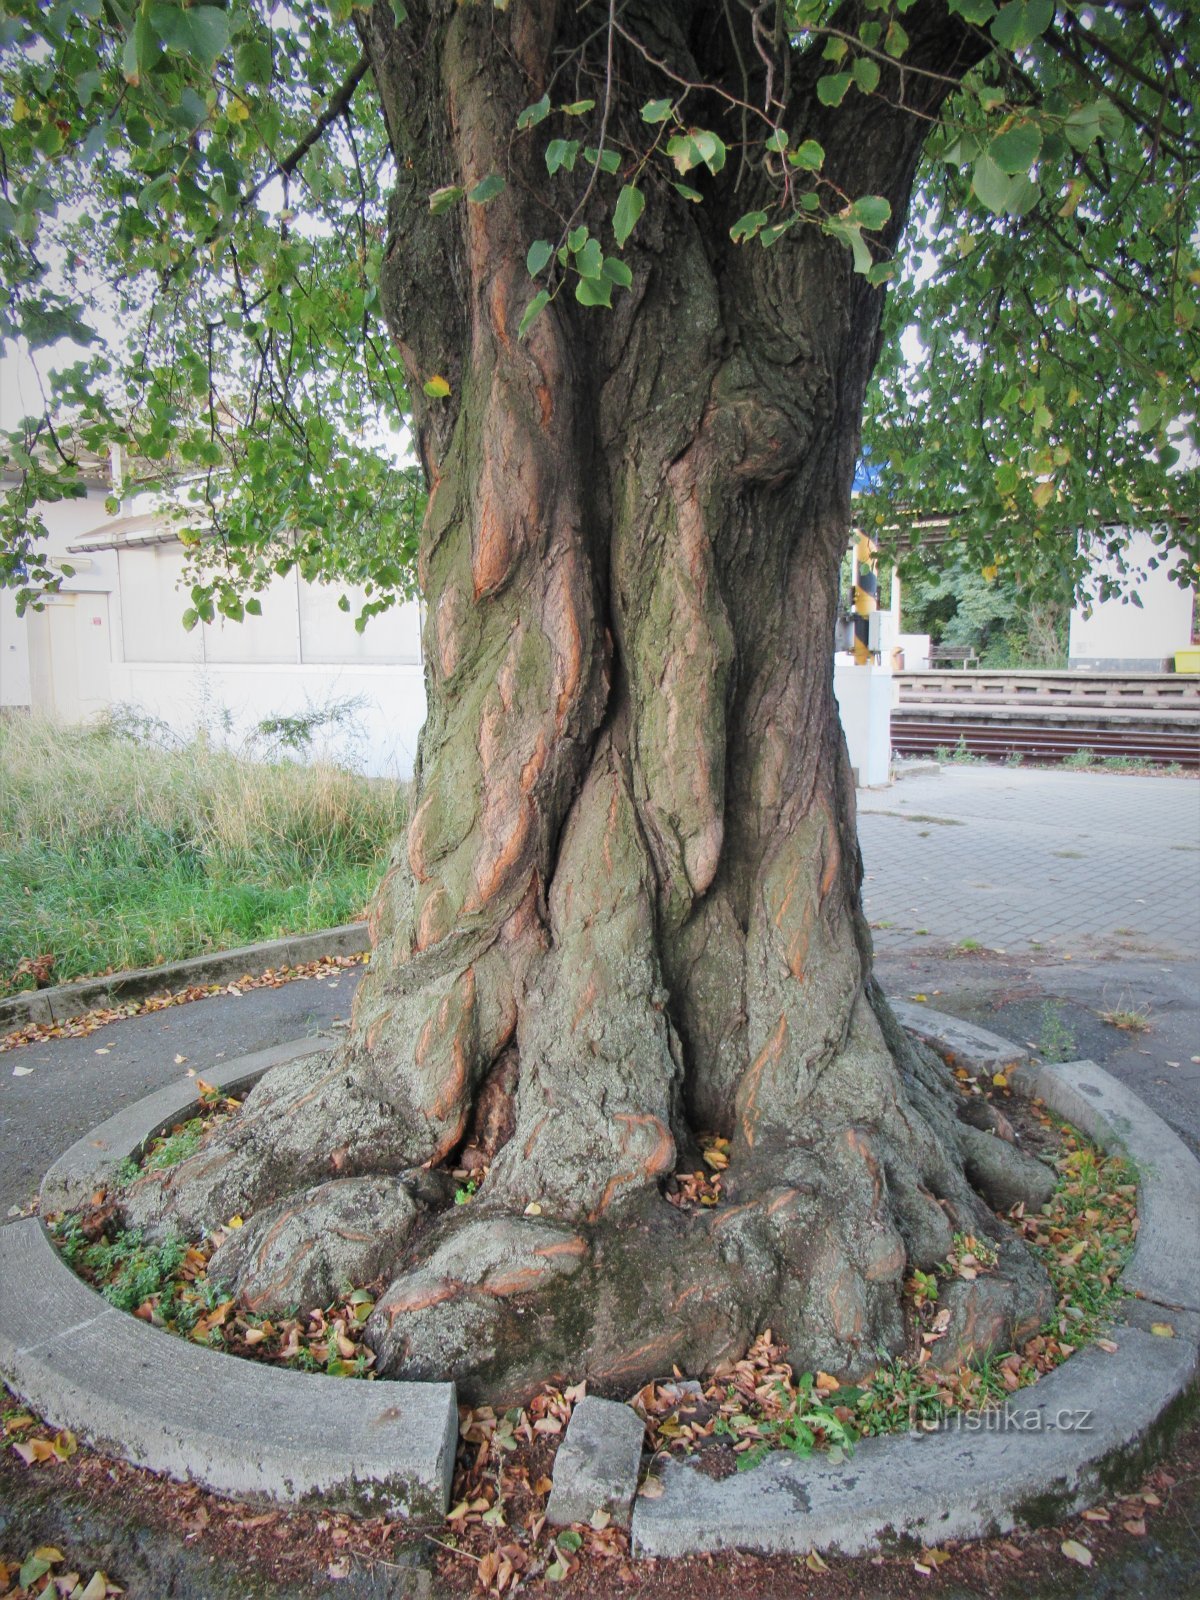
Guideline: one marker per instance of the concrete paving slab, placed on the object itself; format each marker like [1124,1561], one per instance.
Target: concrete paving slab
[1014,859]
[596,1468]
[237,1427]
[91,1161]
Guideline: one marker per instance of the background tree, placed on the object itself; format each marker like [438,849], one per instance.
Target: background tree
[634,268]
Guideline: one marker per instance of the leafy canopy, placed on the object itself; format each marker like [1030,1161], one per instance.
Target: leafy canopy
[193,195]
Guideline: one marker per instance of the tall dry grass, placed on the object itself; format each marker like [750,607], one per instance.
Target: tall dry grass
[114,852]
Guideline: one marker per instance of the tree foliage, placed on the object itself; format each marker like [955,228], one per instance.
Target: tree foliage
[194,196]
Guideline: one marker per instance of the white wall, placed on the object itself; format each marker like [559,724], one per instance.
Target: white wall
[300,655]
[864,695]
[1118,634]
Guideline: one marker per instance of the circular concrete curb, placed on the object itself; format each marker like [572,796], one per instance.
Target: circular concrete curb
[1090,1425]
[179,1408]
[69,1000]
[161,1402]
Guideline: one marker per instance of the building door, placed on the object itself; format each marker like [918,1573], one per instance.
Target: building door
[69,655]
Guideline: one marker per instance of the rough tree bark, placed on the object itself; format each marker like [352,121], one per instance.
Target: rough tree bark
[627,909]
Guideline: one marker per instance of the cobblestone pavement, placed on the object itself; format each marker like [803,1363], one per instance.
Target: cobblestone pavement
[1022,859]
[1082,891]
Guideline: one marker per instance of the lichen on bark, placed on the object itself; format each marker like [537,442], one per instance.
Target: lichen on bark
[627,909]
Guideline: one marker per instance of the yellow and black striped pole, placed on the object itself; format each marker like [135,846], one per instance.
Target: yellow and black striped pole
[866,597]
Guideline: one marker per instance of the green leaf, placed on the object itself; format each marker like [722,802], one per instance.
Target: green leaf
[850,233]
[207,33]
[442,199]
[436,387]
[866,74]
[871,211]
[532,311]
[594,292]
[768,236]
[486,189]
[1020,22]
[568,1539]
[778,140]
[976,12]
[535,113]
[618,271]
[589,261]
[399,12]
[688,193]
[252,62]
[895,41]
[831,90]
[657,110]
[606,160]
[711,149]
[992,186]
[190,618]
[577,238]
[631,202]
[561,153]
[1017,148]
[578,108]
[539,254]
[681,148]
[809,156]
[747,226]
[33,1568]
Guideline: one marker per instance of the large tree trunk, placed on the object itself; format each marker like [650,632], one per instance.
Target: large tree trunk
[627,911]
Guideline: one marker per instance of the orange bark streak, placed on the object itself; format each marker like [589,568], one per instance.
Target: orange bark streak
[493,551]
[564,1247]
[532,1139]
[422,1299]
[585,1004]
[769,1054]
[662,1157]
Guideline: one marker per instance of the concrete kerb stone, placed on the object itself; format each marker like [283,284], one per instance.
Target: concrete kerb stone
[237,1428]
[91,1161]
[69,1000]
[961,1043]
[596,1468]
[1089,1426]
[1053,1448]
[1166,1264]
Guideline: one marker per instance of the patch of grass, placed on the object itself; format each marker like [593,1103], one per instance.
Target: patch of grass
[966,946]
[1079,759]
[1129,1020]
[1056,1042]
[116,853]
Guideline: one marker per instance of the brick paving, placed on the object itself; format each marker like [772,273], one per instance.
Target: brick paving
[1022,859]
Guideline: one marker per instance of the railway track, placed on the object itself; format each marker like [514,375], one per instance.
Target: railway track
[1047,716]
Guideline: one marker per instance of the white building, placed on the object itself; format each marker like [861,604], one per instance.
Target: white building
[1121,635]
[113,636]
